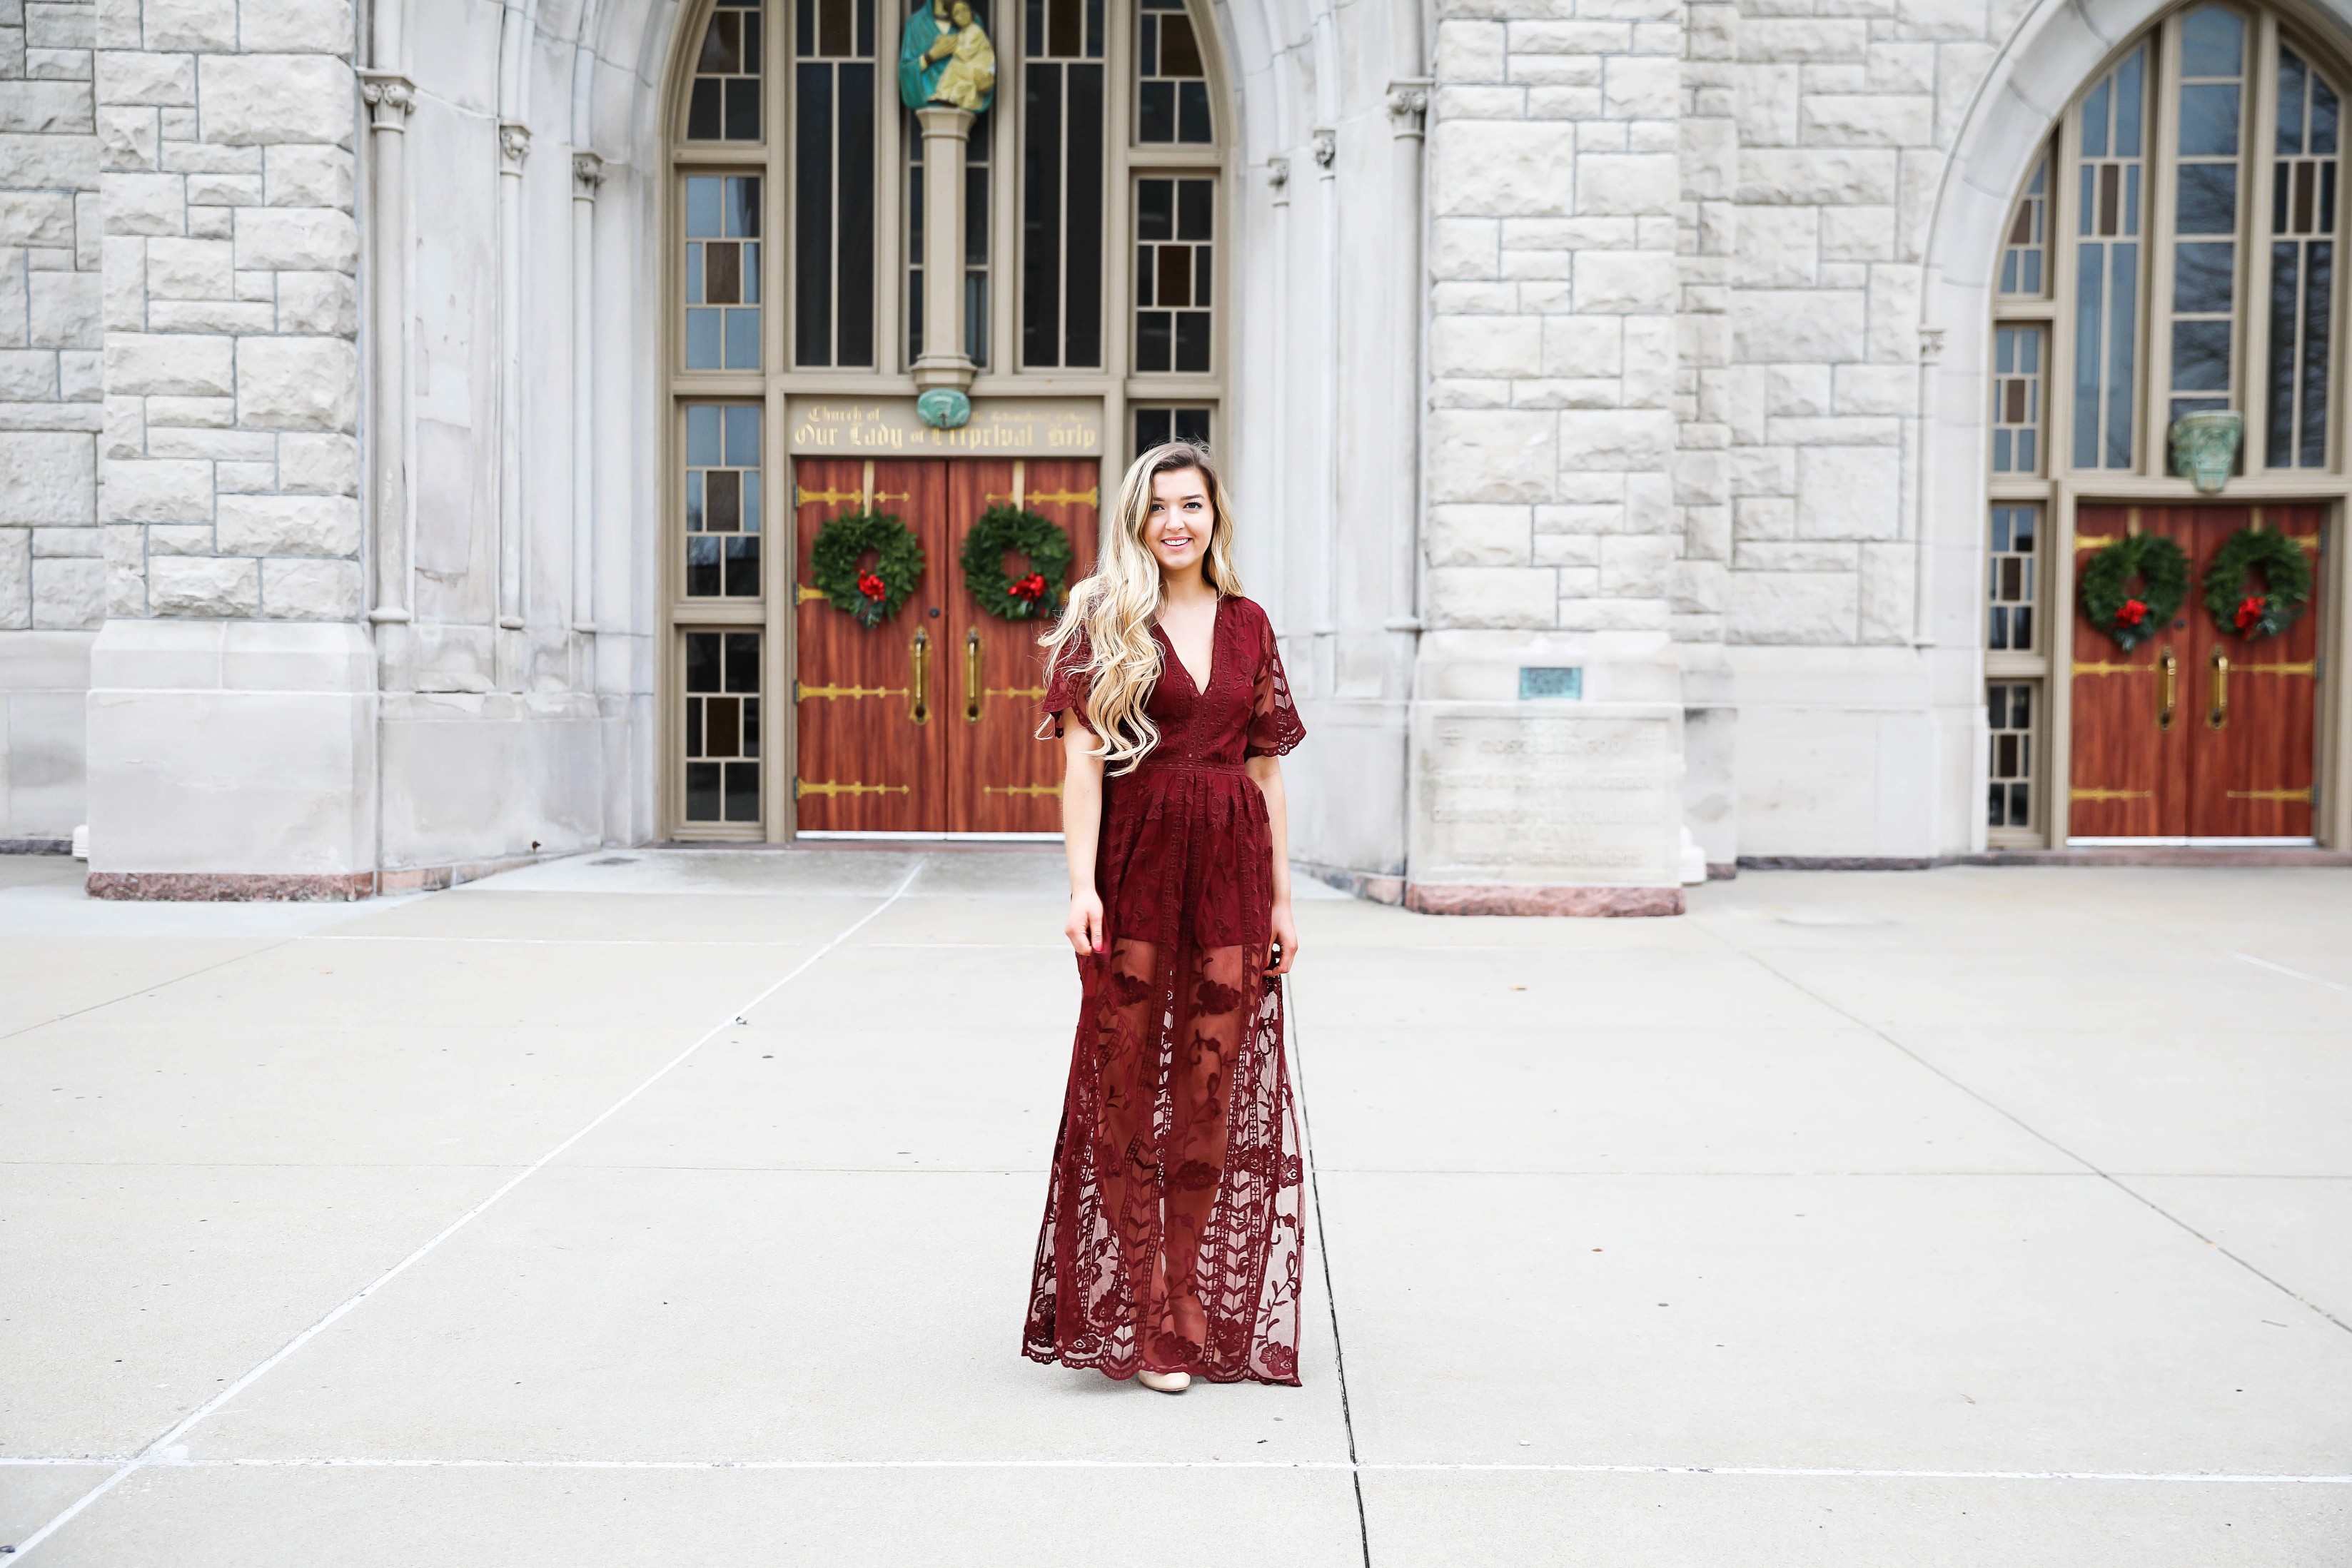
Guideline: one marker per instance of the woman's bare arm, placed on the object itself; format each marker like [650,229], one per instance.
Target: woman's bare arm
[1082,796]
[1266,773]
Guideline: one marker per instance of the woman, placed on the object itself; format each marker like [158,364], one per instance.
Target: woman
[1170,1247]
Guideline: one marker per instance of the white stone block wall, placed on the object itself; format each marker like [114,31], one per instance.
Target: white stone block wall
[50,575]
[229,465]
[1553,183]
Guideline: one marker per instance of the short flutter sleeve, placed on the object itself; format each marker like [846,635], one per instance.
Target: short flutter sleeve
[1274,728]
[1067,686]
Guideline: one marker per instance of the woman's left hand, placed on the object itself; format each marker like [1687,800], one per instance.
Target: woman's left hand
[1285,941]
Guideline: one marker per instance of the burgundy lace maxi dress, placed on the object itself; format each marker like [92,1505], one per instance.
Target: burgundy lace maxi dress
[1172,1232]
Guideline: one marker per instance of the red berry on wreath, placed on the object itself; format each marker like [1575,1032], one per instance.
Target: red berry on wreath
[2250,609]
[871,586]
[1029,587]
[2133,612]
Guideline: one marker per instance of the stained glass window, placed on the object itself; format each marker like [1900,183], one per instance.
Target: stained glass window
[2205,208]
[833,175]
[1171,82]
[2024,254]
[1173,219]
[2109,167]
[2010,592]
[2302,264]
[2017,400]
[1159,426]
[723,272]
[2009,710]
[722,500]
[723,103]
[1062,186]
[722,726]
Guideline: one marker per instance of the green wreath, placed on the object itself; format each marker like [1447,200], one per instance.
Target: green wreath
[871,596]
[1007,530]
[2286,584]
[2131,618]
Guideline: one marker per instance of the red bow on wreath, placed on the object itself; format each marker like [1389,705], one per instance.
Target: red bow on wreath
[1029,587]
[872,587]
[2133,611]
[2250,609]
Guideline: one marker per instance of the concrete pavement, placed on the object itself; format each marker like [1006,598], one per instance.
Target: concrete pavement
[1968,1216]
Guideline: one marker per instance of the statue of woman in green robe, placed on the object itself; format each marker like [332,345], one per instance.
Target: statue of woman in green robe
[945,59]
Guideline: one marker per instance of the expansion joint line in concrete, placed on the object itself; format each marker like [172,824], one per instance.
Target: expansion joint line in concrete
[1990,1103]
[151,990]
[1323,1249]
[160,1450]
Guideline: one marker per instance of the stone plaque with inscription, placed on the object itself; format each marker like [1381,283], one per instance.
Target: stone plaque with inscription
[1503,793]
[998,427]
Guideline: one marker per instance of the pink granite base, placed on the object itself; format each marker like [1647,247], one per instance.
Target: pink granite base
[231,887]
[1501,898]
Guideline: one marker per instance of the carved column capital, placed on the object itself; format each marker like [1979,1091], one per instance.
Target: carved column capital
[388,98]
[1931,344]
[1408,106]
[1327,150]
[514,146]
[587,175]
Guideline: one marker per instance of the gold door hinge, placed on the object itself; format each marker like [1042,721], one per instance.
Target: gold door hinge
[1090,496]
[800,691]
[2109,667]
[2293,796]
[2307,668]
[824,497]
[1021,788]
[802,593]
[803,786]
[2094,541]
[2098,795]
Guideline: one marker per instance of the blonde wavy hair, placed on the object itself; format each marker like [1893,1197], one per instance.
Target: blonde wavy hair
[1108,622]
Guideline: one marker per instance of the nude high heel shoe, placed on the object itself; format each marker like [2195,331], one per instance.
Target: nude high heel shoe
[1164,1382]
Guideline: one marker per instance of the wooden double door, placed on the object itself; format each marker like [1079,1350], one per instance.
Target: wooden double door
[2196,733]
[926,723]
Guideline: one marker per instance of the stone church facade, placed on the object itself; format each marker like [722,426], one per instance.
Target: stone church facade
[1664,432]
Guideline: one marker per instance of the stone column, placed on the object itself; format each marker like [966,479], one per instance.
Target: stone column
[514,146]
[945,133]
[1408,105]
[389,98]
[587,175]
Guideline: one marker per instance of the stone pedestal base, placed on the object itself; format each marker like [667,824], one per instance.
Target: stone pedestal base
[232,759]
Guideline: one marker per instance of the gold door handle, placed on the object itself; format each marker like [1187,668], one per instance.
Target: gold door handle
[973,675]
[921,712]
[2171,690]
[2220,715]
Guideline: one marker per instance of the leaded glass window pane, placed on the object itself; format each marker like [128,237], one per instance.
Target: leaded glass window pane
[723,102]
[723,272]
[2017,400]
[722,726]
[2024,256]
[1159,426]
[2009,591]
[2009,711]
[1171,81]
[2109,167]
[2204,296]
[2302,265]
[723,495]
[832,167]
[1062,186]
[1173,219]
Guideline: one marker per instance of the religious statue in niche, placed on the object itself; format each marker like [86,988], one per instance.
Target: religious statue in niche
[945,59]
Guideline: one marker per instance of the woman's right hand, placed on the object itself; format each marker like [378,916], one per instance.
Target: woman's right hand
[1084,925]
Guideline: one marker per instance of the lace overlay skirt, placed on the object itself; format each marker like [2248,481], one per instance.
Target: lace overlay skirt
[1171,1239]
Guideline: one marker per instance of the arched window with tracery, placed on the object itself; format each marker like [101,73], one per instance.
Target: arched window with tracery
[2171,254]
[1093,275]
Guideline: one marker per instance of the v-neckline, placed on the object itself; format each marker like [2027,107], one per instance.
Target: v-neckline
[1200,683]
